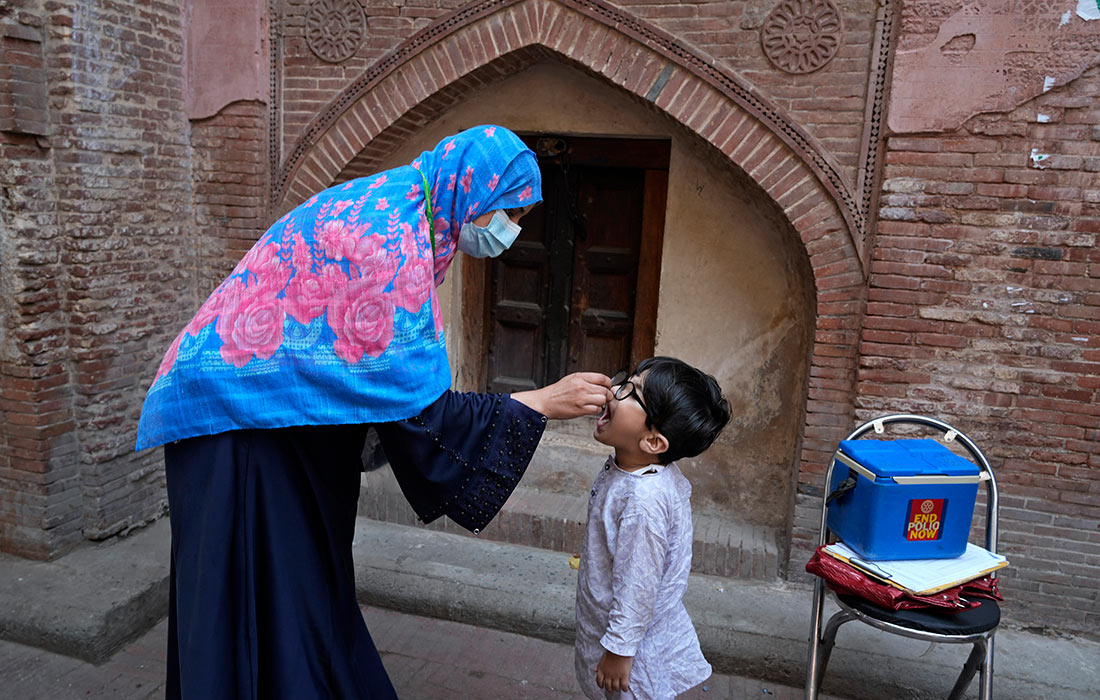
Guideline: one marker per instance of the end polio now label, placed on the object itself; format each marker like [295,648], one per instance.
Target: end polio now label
[925,520]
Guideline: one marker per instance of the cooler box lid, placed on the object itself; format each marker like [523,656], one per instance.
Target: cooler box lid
[906,458]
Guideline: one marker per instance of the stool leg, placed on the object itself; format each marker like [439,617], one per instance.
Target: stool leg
[813,657]
[828,640]
[973,662]
[985,680]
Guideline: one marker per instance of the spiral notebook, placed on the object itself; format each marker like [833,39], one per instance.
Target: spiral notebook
[924,576]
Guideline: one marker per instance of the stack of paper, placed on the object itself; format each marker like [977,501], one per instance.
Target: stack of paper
[924,576]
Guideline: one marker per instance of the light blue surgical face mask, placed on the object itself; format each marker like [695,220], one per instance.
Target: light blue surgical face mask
[488,241]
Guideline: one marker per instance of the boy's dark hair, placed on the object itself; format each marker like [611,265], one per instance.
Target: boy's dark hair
[685,404]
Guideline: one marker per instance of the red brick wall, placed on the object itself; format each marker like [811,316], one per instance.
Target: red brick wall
[37,449]
[22,77]
[38,452]
[99,215]
[123,181]
[117,217]
[829,103]
[984,309]
[309,84]
[231,181]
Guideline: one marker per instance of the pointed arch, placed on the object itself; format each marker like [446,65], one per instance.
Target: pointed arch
[481,43]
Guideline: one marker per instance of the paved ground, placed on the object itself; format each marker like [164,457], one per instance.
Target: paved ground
[427,659]
[87,603]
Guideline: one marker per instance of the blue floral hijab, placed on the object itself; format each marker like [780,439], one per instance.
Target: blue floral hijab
[333,317]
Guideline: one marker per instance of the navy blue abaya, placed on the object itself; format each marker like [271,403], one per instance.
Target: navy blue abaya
[262,583]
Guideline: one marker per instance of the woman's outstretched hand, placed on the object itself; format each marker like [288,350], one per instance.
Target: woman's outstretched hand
[574,395]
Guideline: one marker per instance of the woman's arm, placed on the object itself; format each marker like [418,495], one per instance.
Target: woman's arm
[572,396]
[465,453]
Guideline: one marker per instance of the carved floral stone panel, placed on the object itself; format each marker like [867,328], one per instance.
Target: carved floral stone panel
[335,29]
[801,36]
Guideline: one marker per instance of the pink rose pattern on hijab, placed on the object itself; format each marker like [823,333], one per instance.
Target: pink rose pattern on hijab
[332,317]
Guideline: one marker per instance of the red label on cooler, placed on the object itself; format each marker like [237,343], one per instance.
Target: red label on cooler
[925,520]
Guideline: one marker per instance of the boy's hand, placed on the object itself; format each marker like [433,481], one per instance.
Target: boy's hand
[613,672]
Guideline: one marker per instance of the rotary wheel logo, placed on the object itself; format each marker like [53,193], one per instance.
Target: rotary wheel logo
[927,507]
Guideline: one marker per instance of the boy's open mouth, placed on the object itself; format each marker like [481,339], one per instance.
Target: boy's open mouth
[604,418]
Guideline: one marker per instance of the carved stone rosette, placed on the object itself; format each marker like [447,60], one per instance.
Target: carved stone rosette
[801,36]
[335,29]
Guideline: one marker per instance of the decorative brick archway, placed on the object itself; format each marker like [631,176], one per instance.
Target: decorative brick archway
[467,50]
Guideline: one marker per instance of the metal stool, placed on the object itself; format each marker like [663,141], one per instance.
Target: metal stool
[975,626]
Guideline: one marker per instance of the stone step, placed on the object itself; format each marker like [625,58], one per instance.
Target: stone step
[555,521]
[90,602]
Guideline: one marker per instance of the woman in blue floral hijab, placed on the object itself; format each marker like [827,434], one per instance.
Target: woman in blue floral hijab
[329,325]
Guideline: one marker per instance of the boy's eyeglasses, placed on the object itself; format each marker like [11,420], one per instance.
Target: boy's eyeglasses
[623,388]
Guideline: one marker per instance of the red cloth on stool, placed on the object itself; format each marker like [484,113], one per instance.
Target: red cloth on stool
[845,579]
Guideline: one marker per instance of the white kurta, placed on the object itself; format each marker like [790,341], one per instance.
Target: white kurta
[633,573]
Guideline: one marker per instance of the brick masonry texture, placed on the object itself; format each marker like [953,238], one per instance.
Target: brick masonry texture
[831,106]
[230,180]
[97,216]
[976,297]
[983,304]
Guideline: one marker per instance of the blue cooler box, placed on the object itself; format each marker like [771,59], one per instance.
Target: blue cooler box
[913,499]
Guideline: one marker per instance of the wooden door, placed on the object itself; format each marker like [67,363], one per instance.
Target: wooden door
[578,289]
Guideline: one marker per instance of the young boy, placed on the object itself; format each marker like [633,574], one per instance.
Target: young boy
[634,637]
